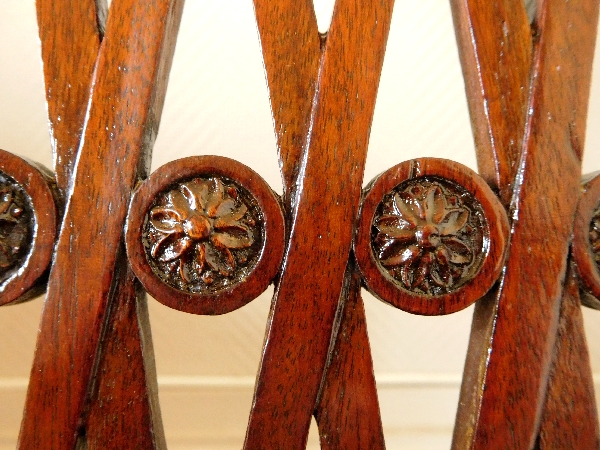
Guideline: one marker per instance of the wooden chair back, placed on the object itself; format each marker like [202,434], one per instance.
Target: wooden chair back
[206,235]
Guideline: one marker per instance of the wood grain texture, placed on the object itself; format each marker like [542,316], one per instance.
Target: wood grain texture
[123,410]
[70,34]
[505,408]
[124,112]
[497,83]
[292,61]
[570,417]
[495,48]
[304,308]
[291,50]
[347,411]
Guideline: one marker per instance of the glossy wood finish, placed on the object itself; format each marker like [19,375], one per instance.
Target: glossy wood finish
[317,358]
[504,386]
[271,253]
[123,118]
[495,49]
[71,33]
[570,417]
[495,238]
[332,166]
[347,410]
[292,64]
[292,52]
[123,411]
[70,36]
[28,279]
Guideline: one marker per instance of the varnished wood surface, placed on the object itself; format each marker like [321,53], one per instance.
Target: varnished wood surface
[123,118]
[124,376]
[570,417]
[238,293]
[505,407]
[332,169]
[123,410]
[95,420]
[495,49]
[347,410]
[70,36]
[583,253]
[292,65]
[292,53]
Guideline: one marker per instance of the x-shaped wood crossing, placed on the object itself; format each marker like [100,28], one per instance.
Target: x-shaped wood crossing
[323,90]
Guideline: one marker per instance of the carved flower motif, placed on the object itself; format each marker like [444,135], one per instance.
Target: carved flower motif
[199,227]
[595,236]
[14,227]
[425,238]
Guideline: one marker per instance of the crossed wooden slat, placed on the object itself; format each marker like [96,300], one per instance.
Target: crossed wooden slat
[322,93]
[514,329]
[90,274]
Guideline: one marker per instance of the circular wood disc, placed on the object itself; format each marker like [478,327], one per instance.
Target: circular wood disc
[586,230]
[205,235]
[28,224]
[431,237]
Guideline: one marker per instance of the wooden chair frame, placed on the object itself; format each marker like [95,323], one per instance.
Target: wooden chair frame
[527,380]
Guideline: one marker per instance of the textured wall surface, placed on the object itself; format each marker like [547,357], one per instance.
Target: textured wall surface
[217,103]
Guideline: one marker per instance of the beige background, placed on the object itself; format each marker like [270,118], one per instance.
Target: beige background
[217,103]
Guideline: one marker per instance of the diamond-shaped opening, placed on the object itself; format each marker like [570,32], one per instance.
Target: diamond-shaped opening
[324,12]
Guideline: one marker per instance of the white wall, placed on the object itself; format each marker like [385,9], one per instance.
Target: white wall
[217,103]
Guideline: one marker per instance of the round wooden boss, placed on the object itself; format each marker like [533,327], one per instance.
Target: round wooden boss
[431,237]
[218,226]
[582,248]
[34,184]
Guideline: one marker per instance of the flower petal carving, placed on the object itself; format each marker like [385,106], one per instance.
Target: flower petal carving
[454,221]
[204,235]
[16,225]
[428,235]
[166,220]
[175,249]
[229,241]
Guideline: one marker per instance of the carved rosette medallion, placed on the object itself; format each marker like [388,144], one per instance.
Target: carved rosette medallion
[16,226]
[203,235]
[428,235]
[595,236]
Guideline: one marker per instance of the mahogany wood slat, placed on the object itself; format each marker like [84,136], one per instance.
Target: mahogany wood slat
[570,417]
[326,203]
[125,106]
[347,411]
[495,48]
[70,41]
[124,411]
[501,73]
[71,33]
[292,51]
[508,403]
